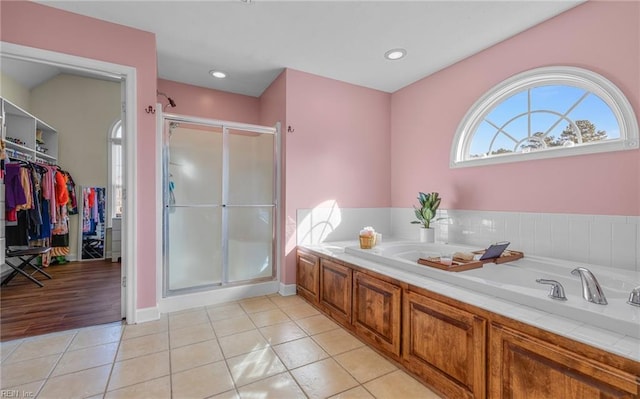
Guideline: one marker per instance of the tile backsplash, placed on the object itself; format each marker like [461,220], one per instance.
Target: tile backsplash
[592,239]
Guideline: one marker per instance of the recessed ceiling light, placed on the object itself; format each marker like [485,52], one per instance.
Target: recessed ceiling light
[217,74]
[395,54]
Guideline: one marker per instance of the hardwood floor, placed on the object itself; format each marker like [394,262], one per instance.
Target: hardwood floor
[80,294]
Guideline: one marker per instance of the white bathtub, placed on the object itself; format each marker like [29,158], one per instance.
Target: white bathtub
[516,281]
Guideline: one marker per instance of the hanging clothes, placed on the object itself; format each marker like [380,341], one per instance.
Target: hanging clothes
[36,201]
[14,192]
[72,205]
[62,195]
[93,210]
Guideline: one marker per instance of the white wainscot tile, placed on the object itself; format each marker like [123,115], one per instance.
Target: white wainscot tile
[559,236]
[527,232]
[542,241]
[624,246]
[495,225]
[475,237]
[578,239]
[456,234]
[401,226]
[609,219]
[303,227]
[600,244]
[512,230]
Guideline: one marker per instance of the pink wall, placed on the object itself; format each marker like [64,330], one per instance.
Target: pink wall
[34,25]
[339,149]
[273,109]
[600,36]
[209,103]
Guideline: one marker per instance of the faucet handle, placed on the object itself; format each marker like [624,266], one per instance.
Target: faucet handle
[557,290]
[634,297]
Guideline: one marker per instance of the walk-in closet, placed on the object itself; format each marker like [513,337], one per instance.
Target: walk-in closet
[56,235]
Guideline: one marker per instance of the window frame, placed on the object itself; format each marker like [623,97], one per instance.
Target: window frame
[554,75]
[113,140]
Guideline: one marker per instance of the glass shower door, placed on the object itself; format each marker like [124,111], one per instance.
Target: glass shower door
[220,205]
[250,205]
[193,206]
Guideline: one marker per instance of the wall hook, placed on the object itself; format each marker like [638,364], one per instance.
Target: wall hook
[150,110]
[290,129]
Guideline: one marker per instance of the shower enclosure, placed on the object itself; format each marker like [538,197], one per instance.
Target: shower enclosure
[220,204]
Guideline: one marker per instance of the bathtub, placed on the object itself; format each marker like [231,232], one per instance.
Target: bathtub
[516,282]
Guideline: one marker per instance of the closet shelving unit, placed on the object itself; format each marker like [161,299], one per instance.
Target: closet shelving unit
[18,124]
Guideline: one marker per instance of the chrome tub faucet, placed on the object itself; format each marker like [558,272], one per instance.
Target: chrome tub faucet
[591,290]
[634,297]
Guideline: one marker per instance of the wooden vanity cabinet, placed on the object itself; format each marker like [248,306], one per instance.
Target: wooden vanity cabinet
[377,312]
[445,345]
[335,290]
[308,276]
[523,366]
[460,350]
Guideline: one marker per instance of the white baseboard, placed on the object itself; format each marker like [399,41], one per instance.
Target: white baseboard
[287,289]
[146,314]
[199,299]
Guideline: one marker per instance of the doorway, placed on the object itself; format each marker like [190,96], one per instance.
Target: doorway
[88,68]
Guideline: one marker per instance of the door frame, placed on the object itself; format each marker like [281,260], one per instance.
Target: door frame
[127,76]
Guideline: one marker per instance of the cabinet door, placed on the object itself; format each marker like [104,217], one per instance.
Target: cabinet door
[376,312]
[335,290]
[522,366]
[445,346]
[307,279]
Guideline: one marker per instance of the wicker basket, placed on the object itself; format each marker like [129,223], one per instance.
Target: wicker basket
[367,242]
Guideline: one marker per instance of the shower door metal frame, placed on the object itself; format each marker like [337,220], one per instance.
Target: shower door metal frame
[275,205]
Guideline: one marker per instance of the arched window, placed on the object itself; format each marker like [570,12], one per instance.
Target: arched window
[115,171]
[544,113]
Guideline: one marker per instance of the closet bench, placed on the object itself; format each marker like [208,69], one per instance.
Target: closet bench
[26,255]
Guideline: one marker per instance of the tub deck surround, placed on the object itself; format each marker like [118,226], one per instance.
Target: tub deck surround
[613,328]
[516,281]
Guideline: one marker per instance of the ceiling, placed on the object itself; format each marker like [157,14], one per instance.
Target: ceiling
[253,40]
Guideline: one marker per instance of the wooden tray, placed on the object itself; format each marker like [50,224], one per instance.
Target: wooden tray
[457,265]
[513,255]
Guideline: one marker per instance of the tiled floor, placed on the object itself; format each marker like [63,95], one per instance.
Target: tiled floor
[259,348]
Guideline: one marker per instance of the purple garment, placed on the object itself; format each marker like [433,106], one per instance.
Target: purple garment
[14,193]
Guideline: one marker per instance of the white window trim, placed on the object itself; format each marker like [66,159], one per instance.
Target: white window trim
[555,75]
[111,141]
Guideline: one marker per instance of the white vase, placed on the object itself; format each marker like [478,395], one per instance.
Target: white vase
[427,235]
